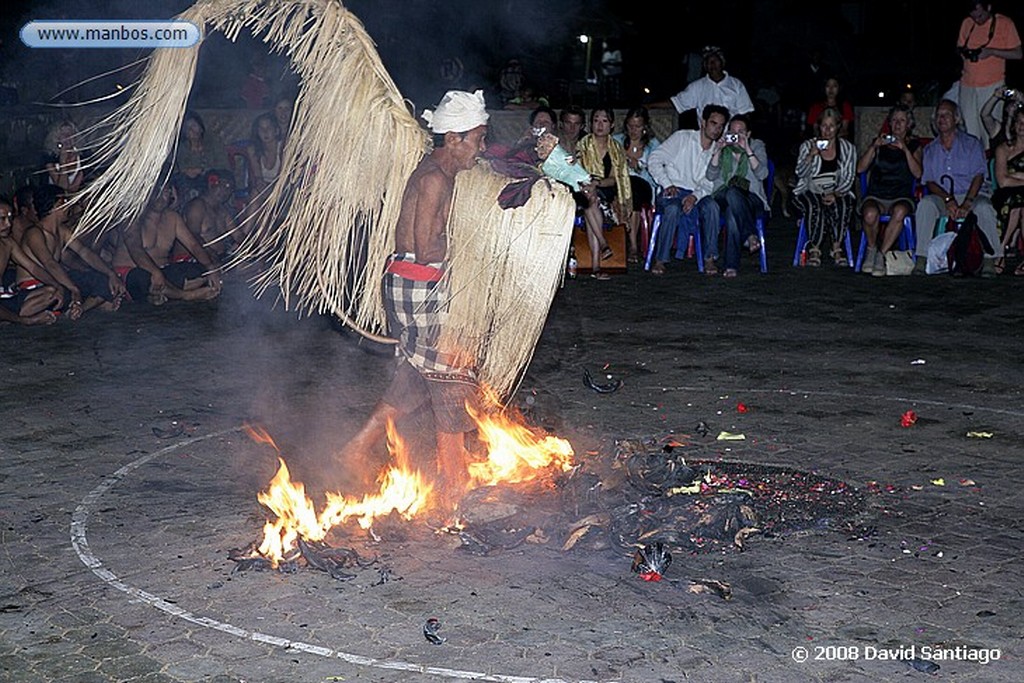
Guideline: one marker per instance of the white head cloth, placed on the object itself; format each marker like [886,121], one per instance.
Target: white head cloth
[458,112]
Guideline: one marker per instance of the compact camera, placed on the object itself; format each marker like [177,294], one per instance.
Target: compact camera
[1009,94]
[731,138]
[537,132]
[970,54]
[821,144]
[889,139]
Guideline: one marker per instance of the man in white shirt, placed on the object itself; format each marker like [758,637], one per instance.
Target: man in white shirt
[715,87]
[679,165]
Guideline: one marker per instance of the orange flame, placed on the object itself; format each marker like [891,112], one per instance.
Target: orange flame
[515,453]
[402,490]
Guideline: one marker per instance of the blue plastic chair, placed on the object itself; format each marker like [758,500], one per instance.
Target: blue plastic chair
[801,244]
[698,246]
[698,242]
[908,236]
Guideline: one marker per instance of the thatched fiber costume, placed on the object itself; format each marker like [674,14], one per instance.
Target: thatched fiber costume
[326,226]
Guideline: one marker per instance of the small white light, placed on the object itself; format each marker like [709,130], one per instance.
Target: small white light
[584,38]
[647,91]
[881,95]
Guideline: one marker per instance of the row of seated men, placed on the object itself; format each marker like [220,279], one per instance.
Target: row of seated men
[170,251]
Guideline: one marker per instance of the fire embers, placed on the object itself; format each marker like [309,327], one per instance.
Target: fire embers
[651,561]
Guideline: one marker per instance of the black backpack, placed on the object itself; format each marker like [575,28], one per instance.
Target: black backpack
[967,252]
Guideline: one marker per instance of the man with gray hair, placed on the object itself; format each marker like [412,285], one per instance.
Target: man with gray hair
[415,296]
[954,170]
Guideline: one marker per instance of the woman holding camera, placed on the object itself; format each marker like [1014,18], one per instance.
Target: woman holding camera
[998,131]
[893,162]
[824,187]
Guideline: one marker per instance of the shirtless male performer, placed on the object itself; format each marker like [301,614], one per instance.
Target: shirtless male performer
[143,257]
[29,307]
[99,287]
[414,299]
[208,217]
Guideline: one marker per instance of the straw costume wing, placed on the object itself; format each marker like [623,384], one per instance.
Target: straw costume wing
[326,225]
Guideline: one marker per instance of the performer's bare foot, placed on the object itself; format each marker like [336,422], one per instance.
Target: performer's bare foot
[357,458]
[452,468]
[204,293]
[41,318]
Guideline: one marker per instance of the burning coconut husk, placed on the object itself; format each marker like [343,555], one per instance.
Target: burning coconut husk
[649,498]
[662,492]
[518,460]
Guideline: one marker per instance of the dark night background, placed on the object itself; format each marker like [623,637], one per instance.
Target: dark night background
[872,46]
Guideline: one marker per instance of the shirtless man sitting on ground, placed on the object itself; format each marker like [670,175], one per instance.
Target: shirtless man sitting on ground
[99,287]
[209,218]
[29,307]
[143,257]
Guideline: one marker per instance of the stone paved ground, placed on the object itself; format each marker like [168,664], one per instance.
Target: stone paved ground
[121,432]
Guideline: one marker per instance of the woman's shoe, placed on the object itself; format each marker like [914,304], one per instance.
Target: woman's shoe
[601,275]
[878,269]
[814,257]
[607,253]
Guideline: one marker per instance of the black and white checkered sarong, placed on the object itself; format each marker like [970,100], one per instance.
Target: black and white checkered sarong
[416,312]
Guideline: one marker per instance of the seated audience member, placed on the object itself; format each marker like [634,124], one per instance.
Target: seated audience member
[143,258]
[523,150]
[998,131]
[24,213]
[738,169]
[209,218]
[570,128]
[49,242]
[908,100]
[957,155]
[715,87]
[524,160]
[824,187]
[833,100]
[64,168]
[1008,199]
[679,166]
[30,307]
[264,153]
[637,140]
[893,163]
[197,153]
[283,114]
[605,160]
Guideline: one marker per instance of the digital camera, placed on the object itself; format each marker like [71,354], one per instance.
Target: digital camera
[731,138]
[1009,94]
[889,138]
[821,144]
[970,54]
